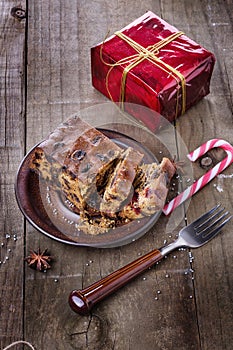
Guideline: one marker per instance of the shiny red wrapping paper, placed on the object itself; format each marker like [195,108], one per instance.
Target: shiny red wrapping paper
[147,83]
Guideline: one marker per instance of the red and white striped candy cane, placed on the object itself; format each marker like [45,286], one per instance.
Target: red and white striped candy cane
[217,169]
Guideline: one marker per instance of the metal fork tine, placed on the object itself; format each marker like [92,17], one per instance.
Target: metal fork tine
[212,224]
[204,226]
[205,216]
[217,229]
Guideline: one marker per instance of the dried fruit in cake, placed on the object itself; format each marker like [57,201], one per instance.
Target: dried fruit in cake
[75,159]
[151,189]
[105,184]
[119,189]
[89,162]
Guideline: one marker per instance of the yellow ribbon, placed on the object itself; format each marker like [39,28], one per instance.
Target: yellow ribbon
[150,53]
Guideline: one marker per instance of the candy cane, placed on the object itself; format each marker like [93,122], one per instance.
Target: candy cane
[217,169]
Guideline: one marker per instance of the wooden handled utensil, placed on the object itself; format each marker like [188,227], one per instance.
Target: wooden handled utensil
[194,235]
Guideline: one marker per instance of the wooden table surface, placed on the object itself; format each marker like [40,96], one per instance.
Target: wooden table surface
[181,303]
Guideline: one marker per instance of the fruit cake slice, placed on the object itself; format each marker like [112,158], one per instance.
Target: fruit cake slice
[75,159]
[106,184]
[151,189]
[119,189]
[91,160]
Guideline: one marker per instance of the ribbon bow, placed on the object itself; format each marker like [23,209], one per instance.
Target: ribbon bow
[149,53]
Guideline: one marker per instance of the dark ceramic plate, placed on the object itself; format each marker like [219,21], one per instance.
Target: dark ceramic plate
[52,215]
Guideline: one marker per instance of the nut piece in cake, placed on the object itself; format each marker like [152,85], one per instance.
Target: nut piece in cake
[105,184]
[75,159]
[119,189]
[89,163]
[151,188]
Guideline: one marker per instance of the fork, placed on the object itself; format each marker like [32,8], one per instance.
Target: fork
[194,235]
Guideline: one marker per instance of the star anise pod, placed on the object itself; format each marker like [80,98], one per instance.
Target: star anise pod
[39,261]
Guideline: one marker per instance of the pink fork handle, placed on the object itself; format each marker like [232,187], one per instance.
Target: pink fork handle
[82,301]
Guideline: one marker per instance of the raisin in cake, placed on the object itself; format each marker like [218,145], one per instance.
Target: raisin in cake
[151,189]
[75,159]
[119,189]
[106,184]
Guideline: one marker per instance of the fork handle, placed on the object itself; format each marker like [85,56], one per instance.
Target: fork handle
[82,301]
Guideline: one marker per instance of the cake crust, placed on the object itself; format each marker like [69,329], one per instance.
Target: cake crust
[106,185]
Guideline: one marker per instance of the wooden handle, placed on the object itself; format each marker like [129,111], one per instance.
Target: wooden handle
[82,301]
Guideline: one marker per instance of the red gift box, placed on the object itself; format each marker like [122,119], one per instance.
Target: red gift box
[151,63]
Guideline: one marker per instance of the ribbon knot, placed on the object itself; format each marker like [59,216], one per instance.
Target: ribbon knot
[144,55]
[150,53]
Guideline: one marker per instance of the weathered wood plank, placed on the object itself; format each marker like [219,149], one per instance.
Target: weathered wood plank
[212,118]
[52,95]
[12,109]
[59,84]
